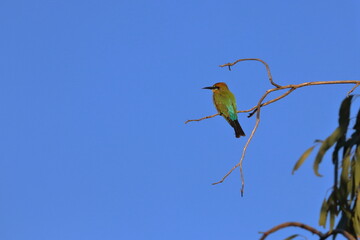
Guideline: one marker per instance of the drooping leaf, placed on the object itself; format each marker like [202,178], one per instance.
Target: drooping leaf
[332,217]
[344,179]
[328,143]
[335,154]
[355,137]
[344,113]
[355,221]
[357,169]
[351,186]
[292,237]
[302,159]
[323,213]
[344,119]
[345,167]
[357,124]
[332,207]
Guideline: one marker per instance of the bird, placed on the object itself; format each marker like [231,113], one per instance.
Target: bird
[225,104]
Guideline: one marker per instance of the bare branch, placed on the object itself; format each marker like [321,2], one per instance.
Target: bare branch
[291,224]
[197,120]
[254,59]
[321,235]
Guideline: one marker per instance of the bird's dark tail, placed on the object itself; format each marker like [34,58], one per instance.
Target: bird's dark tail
[238,130]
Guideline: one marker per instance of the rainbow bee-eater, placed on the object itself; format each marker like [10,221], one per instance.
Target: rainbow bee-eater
[225,104]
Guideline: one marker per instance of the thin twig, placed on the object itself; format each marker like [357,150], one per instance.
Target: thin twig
[353,89]
[240,162]
[321,235]
[271,101]
[197,120]
[254,59]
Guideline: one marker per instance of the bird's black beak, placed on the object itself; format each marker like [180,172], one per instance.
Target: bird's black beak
[210,88]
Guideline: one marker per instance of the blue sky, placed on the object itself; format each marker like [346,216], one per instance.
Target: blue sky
[93,99]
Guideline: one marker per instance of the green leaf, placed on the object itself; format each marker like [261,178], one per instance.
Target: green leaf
[328,143]
[302,159]
[345,167]
[345,176]
[355,221]
[292,237]
[357,169]
[357,124]
[344,113]
[351,186]
[332,208]
[332,218]
[323,213]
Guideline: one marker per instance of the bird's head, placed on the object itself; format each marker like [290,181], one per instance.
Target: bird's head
[217,87]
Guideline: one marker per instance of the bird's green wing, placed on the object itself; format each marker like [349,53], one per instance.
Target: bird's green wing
[232,108]
[226,105]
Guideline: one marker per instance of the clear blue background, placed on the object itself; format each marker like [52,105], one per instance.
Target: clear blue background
[94,96]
